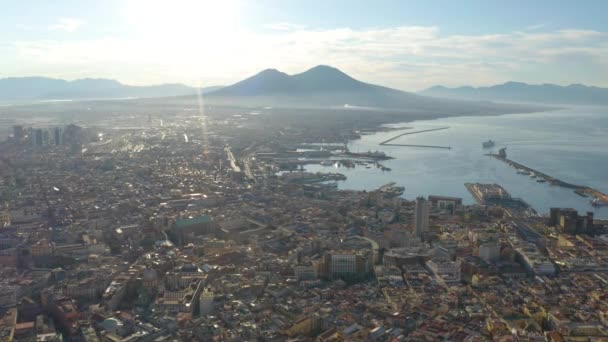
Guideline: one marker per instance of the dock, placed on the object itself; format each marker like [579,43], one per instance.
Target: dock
[387,142]
[581,190]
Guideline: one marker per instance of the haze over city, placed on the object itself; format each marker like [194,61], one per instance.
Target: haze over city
[303,171]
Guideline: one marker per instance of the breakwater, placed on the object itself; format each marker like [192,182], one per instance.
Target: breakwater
[388,141]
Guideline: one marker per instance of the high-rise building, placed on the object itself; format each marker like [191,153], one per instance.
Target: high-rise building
[490,251]
[421,217]
[18,133]
[206,302]
[570,222]
[58,136]
[37,138]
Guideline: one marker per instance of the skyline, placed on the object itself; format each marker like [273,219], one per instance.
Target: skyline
[404,45]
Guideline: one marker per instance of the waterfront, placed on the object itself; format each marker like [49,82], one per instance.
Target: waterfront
[569,144]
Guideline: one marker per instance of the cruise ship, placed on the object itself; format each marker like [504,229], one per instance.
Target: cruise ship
[488,144]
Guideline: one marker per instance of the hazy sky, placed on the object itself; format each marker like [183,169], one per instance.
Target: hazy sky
[408,45]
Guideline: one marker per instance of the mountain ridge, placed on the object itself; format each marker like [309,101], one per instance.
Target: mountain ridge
[324,86]
[513,91]
[45,88]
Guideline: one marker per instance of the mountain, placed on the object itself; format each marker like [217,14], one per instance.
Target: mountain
[318,80]
[523,92]
[325,86]
[43,88]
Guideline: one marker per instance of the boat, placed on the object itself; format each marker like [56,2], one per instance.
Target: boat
[523,172]
[488,144]
[327,163]
[541,180]
[597,202]
[532,175]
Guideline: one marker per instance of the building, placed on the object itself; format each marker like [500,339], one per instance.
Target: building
[533,260]
[445,203]
[348,265]
[206,302]
[408,256]
[58,136]
[8,295]
[502,153]
[187,228]
[18,134]
[150,278]
[447,270]
[37,138]
[570,222]
[490,251]
[305,272]
[421,217]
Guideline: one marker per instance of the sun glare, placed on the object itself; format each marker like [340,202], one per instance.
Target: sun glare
[181,18]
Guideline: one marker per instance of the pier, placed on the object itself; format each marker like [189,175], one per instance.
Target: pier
[427,146]
[387,142]
[580,190]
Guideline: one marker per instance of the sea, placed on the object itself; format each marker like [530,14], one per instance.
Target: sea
[570,144]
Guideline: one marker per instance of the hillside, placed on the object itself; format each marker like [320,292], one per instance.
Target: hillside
[523,92]
[43,88]
[325,86]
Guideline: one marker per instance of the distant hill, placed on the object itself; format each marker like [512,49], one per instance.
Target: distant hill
[523,92]
[325,86]
[316,80]
[43,88]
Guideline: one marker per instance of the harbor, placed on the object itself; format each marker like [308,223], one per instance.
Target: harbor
[598,198]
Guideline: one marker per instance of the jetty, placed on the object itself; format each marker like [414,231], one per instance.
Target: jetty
[388,141]
[427,146]
[581,190]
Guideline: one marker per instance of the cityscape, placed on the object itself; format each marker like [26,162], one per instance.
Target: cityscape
[288,206]
[163,231]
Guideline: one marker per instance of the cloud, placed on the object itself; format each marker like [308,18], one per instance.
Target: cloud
[66,24]
[404,57]
[284,27]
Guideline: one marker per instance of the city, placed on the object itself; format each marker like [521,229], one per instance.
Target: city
[303,171]
[178,229]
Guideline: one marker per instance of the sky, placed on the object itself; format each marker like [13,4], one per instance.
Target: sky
[408,45]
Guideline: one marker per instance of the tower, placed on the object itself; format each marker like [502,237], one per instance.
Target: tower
[421,217]
[206,302]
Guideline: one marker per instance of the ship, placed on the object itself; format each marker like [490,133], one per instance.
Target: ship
[598,202]
[488,144]
[377,155]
